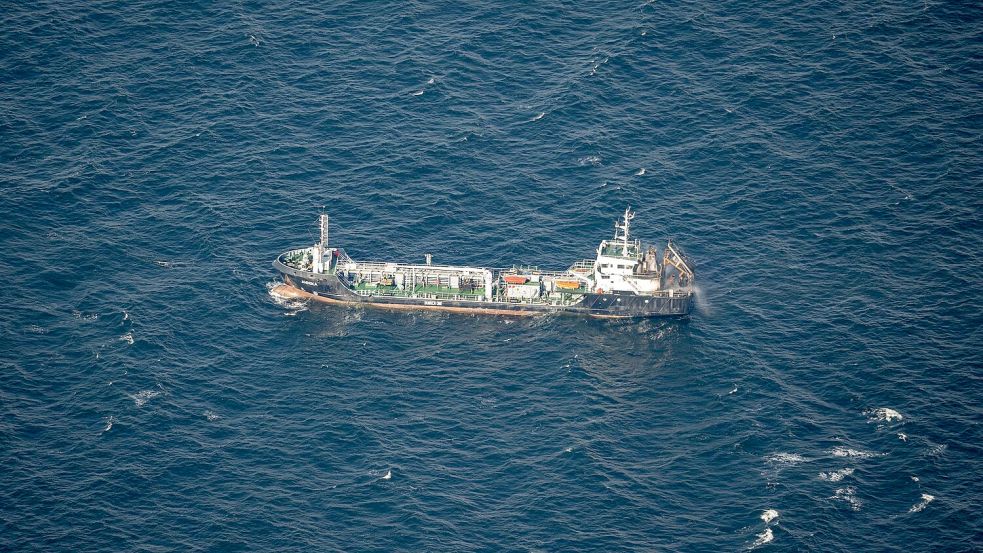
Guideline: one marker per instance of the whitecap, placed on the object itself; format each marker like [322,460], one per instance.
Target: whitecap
[418,93]
[539,116]
[902,436]
[590,160]
[926,499]
[765,537]
[388,475]
[836,475]
[142,397]
[83,317]
[848,495]
[769,515]
[109,423]
[432,80]
[840,451]
[640,172]
[211,415]
[883,414]
[734,391]
[128,338]
[785,458]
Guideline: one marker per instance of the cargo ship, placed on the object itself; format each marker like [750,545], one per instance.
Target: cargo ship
[624,279]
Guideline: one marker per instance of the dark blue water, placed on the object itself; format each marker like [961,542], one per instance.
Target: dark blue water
[821,164]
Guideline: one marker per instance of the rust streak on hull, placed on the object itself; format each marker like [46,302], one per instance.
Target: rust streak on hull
[287,291]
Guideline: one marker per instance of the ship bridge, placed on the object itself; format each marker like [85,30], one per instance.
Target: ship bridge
[622,265]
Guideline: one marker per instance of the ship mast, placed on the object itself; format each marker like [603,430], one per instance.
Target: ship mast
[623,228]
[317,264]
[324,230]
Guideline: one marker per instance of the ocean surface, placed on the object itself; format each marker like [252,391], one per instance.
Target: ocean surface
[821,163]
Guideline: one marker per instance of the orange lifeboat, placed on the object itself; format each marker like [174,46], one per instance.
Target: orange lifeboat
[568,284]
[516,279]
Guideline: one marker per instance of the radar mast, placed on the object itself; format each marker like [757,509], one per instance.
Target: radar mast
[621,230]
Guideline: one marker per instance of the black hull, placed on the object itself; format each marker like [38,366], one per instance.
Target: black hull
[615,305]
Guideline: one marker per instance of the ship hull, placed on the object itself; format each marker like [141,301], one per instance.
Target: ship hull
[329,288]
